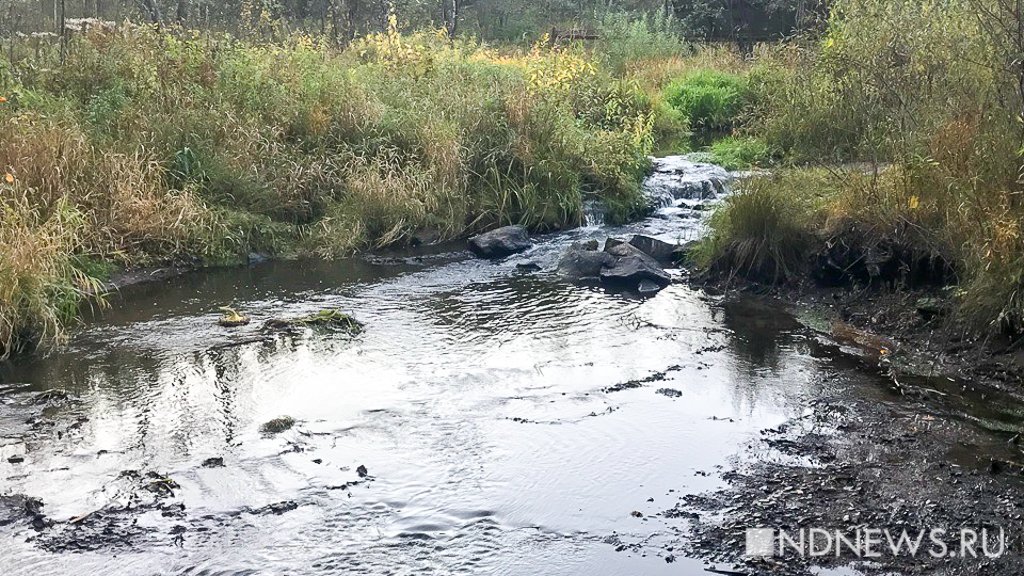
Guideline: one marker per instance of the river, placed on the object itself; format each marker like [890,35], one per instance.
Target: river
[488,420]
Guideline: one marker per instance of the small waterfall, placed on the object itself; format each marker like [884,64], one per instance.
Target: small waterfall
[681,183]
[678,185]
[594,213]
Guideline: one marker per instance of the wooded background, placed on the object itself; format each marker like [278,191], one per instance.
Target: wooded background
[343,20]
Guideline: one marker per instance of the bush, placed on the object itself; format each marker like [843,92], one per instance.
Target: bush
[930,92]
[710,100]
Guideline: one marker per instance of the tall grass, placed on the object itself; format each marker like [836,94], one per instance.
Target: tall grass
[768,228]
[160,145]
[709,99]
[930,90]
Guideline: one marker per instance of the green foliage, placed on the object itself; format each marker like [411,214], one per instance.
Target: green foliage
[740,152]
[930,91]
[710,100]
[630,39]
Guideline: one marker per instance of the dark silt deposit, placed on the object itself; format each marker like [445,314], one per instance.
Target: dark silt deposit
[488,417]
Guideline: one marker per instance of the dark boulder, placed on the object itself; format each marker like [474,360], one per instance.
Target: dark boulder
[631,267]
[612,243]
[578,263]
[277,425]
[659,250]
[500,243]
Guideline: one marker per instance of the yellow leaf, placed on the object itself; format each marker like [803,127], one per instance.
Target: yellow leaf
[914,202]
[9,178]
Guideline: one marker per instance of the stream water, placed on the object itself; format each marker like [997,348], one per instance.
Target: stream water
[482,400]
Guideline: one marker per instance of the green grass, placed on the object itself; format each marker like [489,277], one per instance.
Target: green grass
[924,99]
[765,231]
[148,146]
[710,100]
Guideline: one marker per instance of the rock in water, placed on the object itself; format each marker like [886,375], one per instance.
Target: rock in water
[277,425]
[579,263]
[631,267]
[657,249]
[612,243]
[500,243]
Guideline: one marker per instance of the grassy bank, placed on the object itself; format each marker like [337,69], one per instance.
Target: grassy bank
[925,97]
[149,146]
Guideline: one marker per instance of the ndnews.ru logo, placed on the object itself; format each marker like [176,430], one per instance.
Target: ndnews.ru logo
[870,543]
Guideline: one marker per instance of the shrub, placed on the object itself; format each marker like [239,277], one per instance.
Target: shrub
[931,88]
[710,100]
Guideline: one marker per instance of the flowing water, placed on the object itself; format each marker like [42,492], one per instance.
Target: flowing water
[508,422]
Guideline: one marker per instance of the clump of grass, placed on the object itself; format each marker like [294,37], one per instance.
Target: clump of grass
[41,283]
[333,319]
[709,99]
[766,230]
[739,152]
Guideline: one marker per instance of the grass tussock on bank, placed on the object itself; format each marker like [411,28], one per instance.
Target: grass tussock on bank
[148,146]
[926,98]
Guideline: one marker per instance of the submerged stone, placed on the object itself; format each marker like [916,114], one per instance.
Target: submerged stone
[333,319]
[648,288]
[277,425]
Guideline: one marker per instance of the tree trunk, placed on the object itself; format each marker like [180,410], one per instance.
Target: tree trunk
[63,33]
[150,8]
[450,16]
[181,14]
